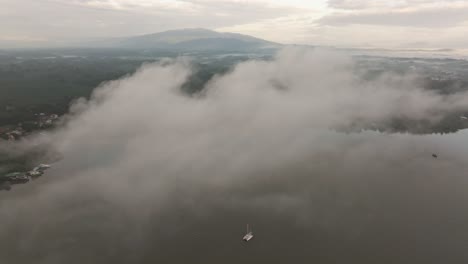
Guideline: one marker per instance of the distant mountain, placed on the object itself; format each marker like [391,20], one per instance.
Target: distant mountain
[191,39]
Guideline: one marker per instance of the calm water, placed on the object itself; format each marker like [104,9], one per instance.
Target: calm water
[360,198]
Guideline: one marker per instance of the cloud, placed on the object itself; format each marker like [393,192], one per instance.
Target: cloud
[379,4]
[296,21]
[360,4]
[63,21]
[292,29]
[119,4]
[152,175]
[428,17]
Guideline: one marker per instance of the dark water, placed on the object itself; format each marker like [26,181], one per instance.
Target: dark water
[383,201]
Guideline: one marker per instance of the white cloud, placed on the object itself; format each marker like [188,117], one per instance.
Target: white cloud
[77,19]
[180,4]
[334,22]
[440,16]
[386,4]
[144,165]
[294,29]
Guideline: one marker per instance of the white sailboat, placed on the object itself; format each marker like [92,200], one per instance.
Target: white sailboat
[249,235]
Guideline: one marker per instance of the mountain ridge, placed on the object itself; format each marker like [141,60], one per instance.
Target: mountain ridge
[192,39]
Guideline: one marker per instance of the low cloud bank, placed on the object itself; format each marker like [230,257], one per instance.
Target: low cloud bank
[151,174]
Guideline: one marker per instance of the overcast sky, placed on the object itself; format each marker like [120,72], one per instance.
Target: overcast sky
[342,23]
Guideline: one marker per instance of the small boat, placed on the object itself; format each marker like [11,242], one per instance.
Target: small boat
[249,235]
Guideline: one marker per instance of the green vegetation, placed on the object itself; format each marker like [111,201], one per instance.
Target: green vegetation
[47,81]
[33,86]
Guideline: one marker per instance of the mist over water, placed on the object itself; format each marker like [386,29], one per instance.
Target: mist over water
[152,175]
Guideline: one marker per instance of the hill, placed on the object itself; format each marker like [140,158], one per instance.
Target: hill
[192,39]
